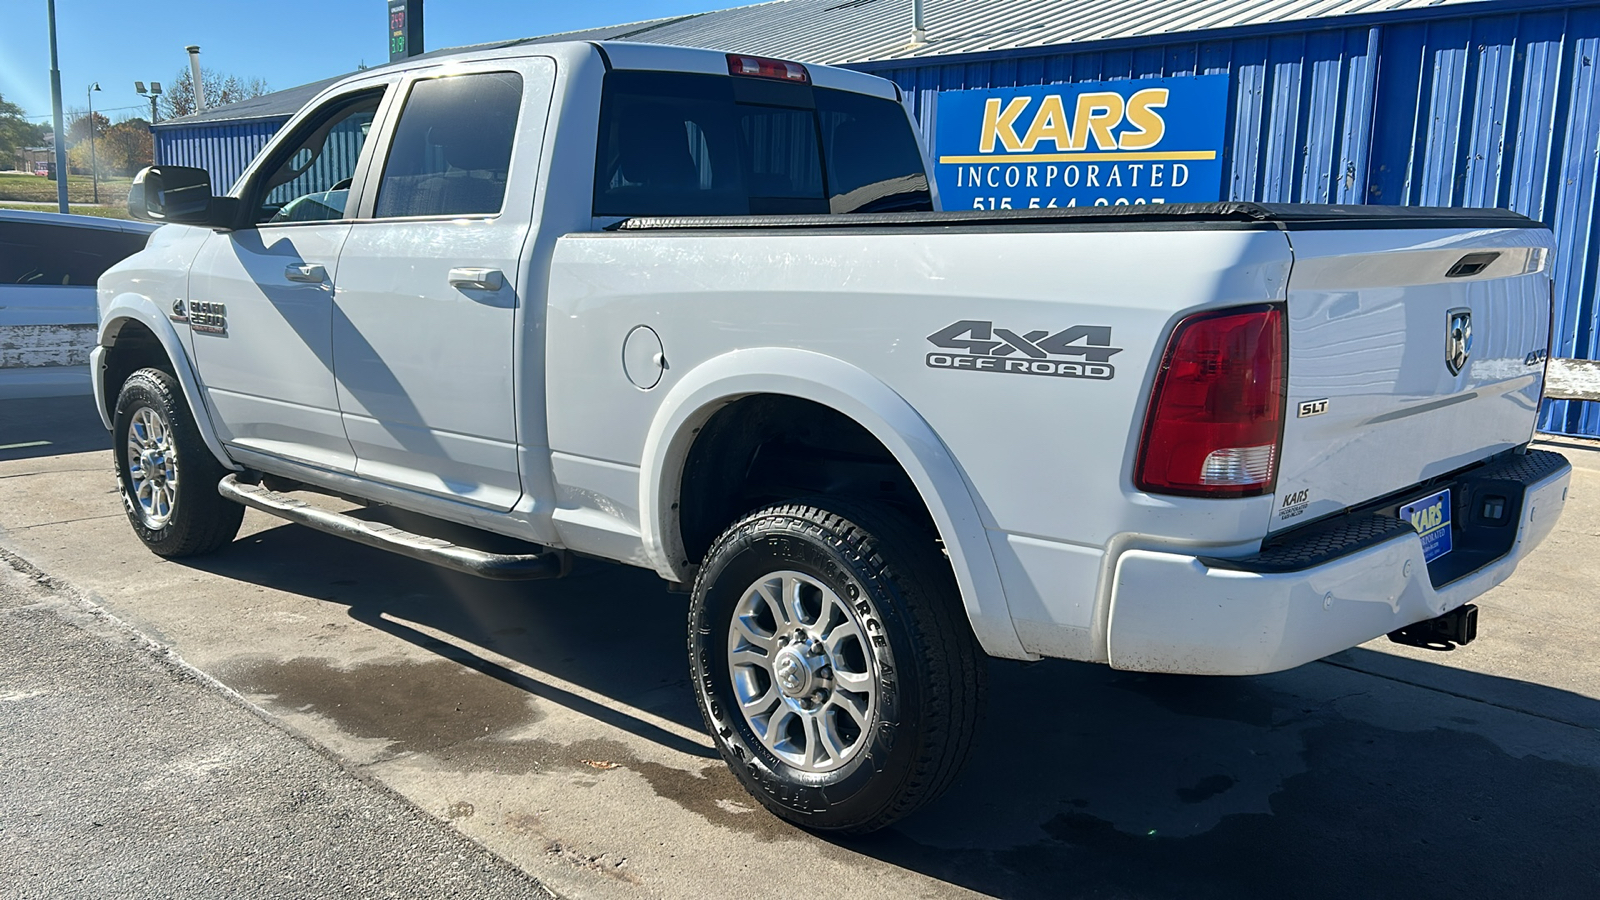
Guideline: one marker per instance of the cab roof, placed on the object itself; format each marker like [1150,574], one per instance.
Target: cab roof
[619,54]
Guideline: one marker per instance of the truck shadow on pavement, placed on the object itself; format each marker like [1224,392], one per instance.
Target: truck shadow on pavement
[1368,775]
[1319,782]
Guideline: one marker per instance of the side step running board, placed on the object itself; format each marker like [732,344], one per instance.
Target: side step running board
[496,566]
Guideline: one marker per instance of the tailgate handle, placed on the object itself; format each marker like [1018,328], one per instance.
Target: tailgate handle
[1472,264]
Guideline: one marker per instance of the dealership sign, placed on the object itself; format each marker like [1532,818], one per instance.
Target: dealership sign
[1150,140]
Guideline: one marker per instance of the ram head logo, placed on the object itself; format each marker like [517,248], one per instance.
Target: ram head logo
[1457,340]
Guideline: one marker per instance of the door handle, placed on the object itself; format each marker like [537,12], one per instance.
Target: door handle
[306,272]
[477,279]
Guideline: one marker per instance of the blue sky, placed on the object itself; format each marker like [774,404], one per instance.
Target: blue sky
[287,42]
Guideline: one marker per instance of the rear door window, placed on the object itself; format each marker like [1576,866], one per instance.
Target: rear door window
[451,153]
[45,255]
[681,144]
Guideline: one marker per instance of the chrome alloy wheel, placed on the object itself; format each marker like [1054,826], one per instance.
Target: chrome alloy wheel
[803,671]
[152,467]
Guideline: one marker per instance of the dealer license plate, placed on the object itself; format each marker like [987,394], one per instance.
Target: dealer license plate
[1430,516]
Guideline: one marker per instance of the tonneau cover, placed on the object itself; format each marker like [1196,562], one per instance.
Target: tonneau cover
[1285,216]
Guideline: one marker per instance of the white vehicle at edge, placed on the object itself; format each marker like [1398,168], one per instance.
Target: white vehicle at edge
[697,312]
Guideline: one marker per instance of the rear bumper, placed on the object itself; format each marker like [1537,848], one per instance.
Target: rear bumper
[1172,612]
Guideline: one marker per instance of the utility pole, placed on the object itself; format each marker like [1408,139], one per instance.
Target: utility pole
[152,95]
[94,164]
[55,109]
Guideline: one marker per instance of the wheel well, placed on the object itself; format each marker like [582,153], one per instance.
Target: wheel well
[768,448]
[133,347]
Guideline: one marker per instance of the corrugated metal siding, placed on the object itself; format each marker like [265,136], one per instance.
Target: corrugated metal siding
[1499,110]
[340,152]
[224,149]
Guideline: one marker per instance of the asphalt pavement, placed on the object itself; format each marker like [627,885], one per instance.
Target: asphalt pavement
[128,774]
[553,724]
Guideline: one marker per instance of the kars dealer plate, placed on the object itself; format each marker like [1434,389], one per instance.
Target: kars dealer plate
[1430,516]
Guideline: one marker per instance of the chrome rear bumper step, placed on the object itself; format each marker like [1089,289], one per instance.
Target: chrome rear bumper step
[495,566]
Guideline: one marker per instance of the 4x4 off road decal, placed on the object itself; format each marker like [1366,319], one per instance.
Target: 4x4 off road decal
[991,349]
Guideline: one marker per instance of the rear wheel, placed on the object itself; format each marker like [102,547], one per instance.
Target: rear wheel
[167,475]
[833,663]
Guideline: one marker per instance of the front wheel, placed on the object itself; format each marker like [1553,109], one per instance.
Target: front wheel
[833,663]
[167,475]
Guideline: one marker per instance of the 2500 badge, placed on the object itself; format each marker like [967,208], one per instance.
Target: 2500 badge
[991,349]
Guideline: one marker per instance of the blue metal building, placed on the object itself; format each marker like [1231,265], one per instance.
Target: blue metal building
[224,140]
[1410,102]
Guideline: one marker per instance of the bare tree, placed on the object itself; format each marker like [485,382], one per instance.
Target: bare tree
[219,89]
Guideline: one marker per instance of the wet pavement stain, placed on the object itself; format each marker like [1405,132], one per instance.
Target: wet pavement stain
[716,795]
[517,756]
[606,864]
[459,719]
[419,707]
[710,791]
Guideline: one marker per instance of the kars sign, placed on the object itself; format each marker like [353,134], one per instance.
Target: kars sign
[1151,140]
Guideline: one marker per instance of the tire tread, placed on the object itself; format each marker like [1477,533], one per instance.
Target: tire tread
[893,549]
[205,521]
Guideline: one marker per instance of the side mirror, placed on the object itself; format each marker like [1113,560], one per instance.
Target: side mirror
[179,194]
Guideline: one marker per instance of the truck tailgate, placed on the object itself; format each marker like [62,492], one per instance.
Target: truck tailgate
[1412,353]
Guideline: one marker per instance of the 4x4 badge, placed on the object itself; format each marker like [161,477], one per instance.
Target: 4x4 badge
[991,349]
[1457,340]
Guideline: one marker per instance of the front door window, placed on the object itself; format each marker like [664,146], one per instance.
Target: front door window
[310,179]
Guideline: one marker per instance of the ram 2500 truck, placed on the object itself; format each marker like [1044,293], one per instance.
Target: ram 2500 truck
[698,312]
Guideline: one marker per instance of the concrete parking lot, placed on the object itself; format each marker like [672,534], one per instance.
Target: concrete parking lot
[553,724]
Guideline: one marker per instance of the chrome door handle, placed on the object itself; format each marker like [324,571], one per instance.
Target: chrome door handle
[306,272]
[477,279]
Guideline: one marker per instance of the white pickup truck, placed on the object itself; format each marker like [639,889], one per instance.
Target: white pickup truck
[699,312]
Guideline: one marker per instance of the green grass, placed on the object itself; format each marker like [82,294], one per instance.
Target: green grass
[80,189]
[104,212]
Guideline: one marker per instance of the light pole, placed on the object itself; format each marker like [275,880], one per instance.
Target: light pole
[55,109]
[153,93]
[94,167]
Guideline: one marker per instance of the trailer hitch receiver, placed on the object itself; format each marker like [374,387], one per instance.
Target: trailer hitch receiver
[1455,628]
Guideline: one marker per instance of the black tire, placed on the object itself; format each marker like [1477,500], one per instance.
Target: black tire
[198,520]
[930,671]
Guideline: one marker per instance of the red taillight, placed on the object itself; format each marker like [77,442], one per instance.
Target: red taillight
[761,67]
[1216,414]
